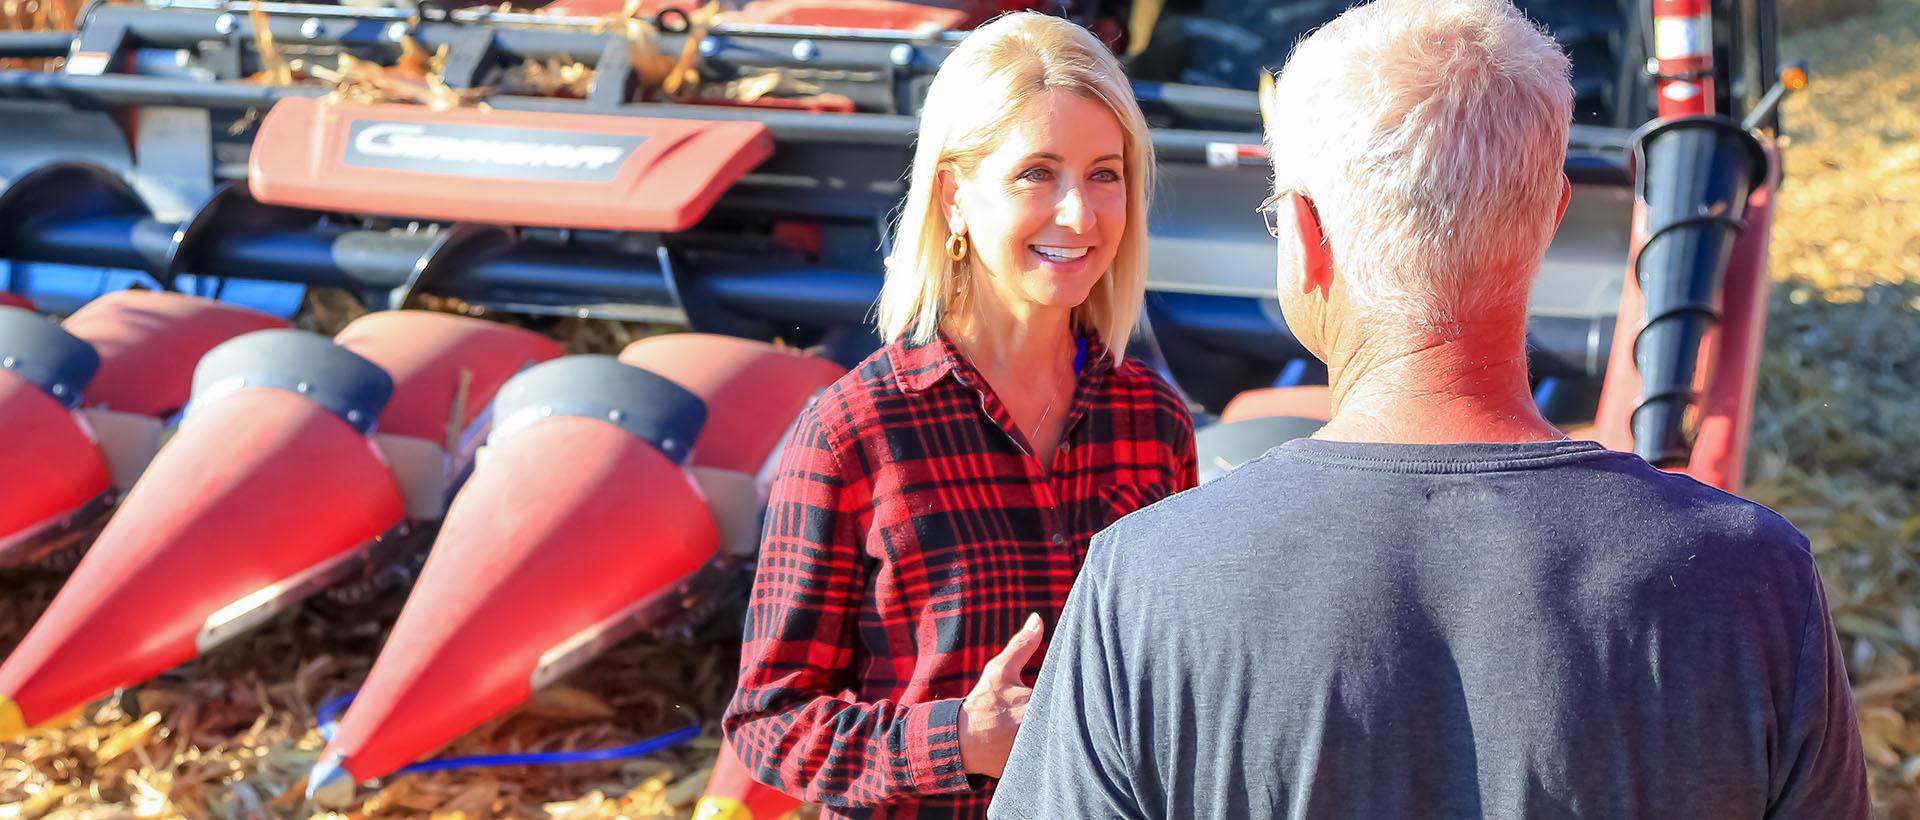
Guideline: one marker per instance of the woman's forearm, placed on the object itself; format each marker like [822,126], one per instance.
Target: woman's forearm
[841,753]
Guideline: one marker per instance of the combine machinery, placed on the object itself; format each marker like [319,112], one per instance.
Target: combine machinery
[182,171]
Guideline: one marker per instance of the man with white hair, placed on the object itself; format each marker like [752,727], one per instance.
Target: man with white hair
[1438,606]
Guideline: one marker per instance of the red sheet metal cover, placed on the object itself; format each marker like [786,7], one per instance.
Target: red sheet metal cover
[1306,401]
[48,465]
[855,14]
[149,342]
[501,167]
[15,300]
[254,489]
[567,523]
[428,354]
[753,390]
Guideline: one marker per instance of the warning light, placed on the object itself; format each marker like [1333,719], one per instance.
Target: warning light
[1794,77]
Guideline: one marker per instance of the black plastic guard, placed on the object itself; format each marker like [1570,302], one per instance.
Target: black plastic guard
[299,362]
[43,353]
[648,405]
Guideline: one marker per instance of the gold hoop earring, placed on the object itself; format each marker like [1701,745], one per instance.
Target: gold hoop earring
[957,246]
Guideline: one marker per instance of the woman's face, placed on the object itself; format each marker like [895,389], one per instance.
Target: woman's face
[1044,212]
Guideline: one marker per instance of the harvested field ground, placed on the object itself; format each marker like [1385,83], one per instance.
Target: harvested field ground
[1836,445]
[1836,448]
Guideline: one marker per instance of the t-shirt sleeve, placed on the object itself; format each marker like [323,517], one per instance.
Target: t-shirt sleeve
[1824,770]
[1070,758]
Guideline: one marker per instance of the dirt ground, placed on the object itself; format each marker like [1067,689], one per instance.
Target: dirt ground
[1836,447]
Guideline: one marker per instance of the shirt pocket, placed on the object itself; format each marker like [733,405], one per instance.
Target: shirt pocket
[1118,500]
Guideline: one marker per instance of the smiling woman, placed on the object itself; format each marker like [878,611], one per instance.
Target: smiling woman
[933,507]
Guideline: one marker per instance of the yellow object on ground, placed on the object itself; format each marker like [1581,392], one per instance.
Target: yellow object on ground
[713,807]
[12,724]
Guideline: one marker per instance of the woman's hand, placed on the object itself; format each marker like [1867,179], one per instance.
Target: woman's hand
[992,713]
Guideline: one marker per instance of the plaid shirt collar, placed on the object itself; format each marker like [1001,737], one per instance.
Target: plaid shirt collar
[919,365]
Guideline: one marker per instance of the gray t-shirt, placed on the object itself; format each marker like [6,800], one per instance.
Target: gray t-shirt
[1344,630]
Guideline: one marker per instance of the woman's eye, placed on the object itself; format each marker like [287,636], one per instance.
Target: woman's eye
[1106,175]
[1037,175]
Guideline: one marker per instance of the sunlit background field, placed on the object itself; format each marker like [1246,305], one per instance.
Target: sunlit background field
[1836,448]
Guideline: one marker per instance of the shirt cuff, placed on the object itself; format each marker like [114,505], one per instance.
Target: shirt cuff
[933,748]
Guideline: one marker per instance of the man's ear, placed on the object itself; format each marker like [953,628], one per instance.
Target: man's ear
[949,193]
[1566,196]
[1316,258]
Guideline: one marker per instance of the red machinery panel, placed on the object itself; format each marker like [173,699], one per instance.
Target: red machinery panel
[149,342]
[753,390]
[429,354]
[856,14]
[835,14]
[500,167]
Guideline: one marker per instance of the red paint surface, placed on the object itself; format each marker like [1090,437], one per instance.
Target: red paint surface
[48,465]
[731,780]
[1307,402]
[426,353]
[753,390]
[253,489]
[149,343]
[667,183]
[566,522]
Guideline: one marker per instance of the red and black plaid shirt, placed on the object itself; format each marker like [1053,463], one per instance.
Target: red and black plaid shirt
[909,535]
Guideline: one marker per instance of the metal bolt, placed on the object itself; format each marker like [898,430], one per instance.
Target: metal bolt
[225,24]
[546,412]
[353,417]
[303,388]
[311,28]
[616,416]
[669,445]
[710,47]
[397,32]
[902,55]
[1653,66]
[59,389]
[7,362]
[805,51]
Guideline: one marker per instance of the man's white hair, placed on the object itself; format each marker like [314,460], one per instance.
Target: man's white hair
[1431,136]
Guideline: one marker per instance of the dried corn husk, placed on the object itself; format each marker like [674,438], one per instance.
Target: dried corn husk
[417,78]
[38,15]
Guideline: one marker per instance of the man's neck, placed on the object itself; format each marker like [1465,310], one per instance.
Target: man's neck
[1470,388]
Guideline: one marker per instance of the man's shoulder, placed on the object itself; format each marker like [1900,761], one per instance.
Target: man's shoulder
[1218,518]
[1686,505]
[1751,542]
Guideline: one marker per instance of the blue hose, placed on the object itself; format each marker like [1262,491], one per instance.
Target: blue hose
[329,718]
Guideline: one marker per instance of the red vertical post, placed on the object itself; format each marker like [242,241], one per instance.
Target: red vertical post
[1683,57]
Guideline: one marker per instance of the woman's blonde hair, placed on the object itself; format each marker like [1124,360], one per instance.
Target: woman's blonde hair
[973,102]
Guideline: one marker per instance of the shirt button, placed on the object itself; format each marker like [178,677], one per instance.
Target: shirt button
[1059,539]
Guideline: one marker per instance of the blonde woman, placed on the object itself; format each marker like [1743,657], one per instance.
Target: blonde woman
[933,507]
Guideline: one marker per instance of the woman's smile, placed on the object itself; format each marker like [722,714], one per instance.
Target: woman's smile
[1062,258]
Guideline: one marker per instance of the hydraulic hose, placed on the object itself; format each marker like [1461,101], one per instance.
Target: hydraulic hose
[329,716]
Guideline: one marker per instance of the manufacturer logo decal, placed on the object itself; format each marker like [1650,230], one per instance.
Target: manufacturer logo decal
[488,151]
